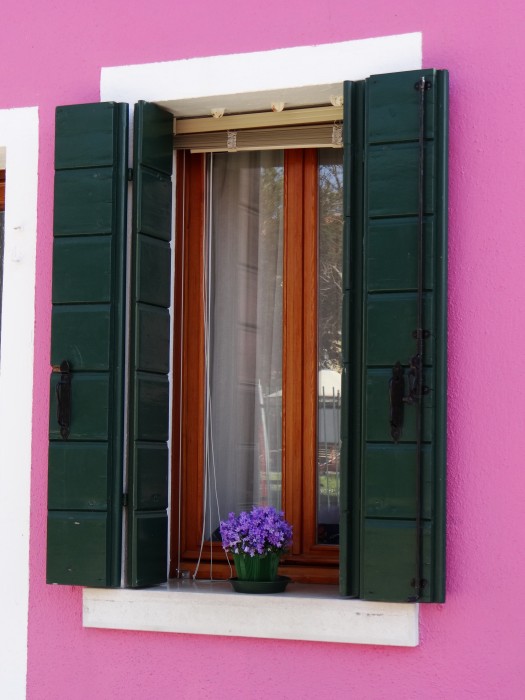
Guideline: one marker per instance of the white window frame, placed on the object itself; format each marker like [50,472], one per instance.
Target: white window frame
[300,76]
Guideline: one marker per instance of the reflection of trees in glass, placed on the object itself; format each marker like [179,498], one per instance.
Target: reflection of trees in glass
[330,299]
[330,257]
[270,316]
[271,254]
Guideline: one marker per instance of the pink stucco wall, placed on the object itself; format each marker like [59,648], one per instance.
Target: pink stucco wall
[472,646]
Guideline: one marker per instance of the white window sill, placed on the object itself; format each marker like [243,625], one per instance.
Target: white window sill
[314,613]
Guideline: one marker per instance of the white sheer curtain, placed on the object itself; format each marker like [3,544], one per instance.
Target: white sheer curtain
[244,333]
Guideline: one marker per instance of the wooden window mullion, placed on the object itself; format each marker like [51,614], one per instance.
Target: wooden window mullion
[293,344]
[188,442]
[310,369]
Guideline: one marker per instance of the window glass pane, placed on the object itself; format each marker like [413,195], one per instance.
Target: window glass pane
[330,301]
[244,333]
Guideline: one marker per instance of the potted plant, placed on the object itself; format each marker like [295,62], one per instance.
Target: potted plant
[257,541]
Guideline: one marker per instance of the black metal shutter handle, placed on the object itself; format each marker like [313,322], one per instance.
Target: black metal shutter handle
[63,394]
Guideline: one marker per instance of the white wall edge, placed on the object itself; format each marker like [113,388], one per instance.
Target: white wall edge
[19,143]
[308,613]
[262,70]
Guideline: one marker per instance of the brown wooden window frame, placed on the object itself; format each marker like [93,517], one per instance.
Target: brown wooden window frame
[308,561]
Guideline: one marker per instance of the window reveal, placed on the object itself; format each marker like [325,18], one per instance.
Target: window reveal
[243,334]
[268,424]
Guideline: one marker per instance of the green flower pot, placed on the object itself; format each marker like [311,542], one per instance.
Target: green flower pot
[256,568]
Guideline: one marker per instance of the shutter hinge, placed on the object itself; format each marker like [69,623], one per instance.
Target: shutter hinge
[125,500]
[130,174]
[423,83]
[420,334]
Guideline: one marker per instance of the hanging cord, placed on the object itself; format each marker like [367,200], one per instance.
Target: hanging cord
[417,392]
[210,473]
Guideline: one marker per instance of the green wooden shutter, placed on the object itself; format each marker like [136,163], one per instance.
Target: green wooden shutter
[384,505]
[85,466]
[149,399]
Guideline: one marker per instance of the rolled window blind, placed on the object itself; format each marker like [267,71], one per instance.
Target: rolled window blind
[309,136]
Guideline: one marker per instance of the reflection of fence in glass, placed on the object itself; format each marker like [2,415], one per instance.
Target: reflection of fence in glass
[328,453]
[328,456]
[270,456]
[329,318]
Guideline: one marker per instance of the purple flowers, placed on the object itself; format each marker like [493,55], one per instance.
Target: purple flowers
[259,532]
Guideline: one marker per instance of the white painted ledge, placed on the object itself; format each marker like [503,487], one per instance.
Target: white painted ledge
[314,613]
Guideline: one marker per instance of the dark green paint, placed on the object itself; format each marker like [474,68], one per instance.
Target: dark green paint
[154,215]
[392,180]
[82,270]
[346,331]
[350,519]
[81,334]
[389,559]
[78,476]
[154,146]
[85,472]
[393,107]
[87,136]
[391,319]
[390,481]
[151,481]
[152,339]
[151,407]
[440,363]
[84,201]
[396,240]
[380,315]
[149,395]
[153,271]
[77,548]
[149,560]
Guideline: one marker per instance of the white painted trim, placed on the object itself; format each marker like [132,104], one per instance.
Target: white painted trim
[313,613]
[281,69]
[19,144]
[301,71]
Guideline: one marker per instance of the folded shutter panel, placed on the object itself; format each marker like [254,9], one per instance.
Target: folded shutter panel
[85,457]
[149,347]
[400,515]
[351,345]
